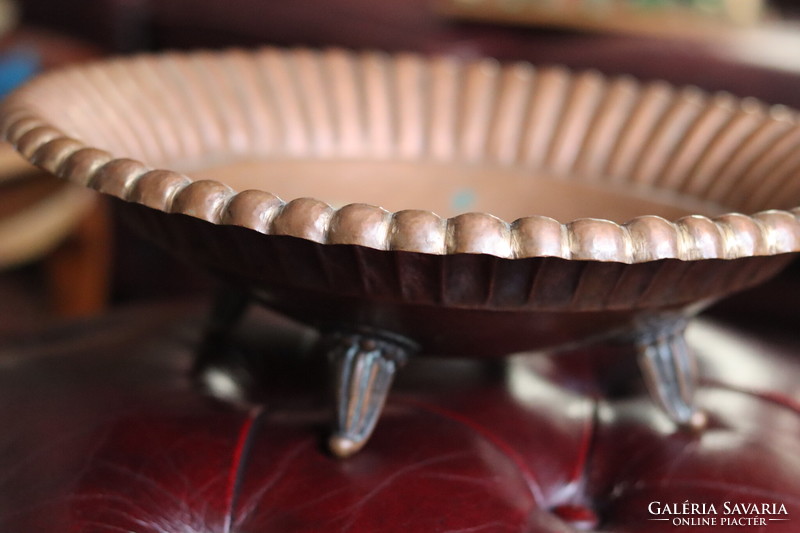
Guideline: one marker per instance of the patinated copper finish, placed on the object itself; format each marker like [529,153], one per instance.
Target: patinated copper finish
[520,208]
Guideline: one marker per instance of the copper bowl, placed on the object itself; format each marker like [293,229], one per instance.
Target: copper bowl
[520,208]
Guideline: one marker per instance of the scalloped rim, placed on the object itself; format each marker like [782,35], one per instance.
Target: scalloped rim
[642,239]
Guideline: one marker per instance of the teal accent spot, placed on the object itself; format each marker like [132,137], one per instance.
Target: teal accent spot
[463,200]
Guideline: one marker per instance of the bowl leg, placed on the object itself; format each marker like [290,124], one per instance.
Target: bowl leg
[227,310]
[670,373]
[364,367]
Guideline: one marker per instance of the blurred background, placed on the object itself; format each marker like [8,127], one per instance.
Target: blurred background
[63,252]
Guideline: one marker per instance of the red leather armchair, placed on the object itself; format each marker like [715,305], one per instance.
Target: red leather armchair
[104,431]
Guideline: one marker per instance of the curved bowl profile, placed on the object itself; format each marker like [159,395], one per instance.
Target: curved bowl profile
[520,208]
[448,208]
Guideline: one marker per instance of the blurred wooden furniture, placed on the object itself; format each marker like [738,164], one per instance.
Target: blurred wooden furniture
[745,67]
[59,223]
[48,220]
[684,19]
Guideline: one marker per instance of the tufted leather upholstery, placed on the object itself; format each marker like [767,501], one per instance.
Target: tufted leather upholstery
[104,432]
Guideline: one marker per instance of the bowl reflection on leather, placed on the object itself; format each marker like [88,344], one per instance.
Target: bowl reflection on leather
[520,208]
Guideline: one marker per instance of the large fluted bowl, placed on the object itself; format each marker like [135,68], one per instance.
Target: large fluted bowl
[474,208]
[434,206]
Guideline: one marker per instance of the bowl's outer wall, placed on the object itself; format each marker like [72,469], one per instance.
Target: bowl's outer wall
[467,304]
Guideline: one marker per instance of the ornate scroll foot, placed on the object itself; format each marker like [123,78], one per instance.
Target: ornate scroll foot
[364,368]
[669,371]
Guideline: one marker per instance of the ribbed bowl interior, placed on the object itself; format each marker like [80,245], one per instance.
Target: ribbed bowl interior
[404,132]
[193,111]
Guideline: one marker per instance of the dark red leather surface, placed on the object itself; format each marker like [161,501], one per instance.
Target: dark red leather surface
[103,432]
